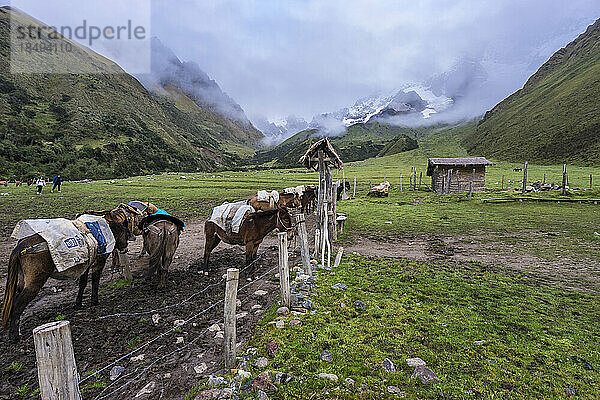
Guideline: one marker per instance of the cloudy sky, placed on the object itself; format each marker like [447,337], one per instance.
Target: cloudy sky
[305,57]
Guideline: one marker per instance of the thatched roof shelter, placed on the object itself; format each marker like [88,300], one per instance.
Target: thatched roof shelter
[310,159]
[456,162]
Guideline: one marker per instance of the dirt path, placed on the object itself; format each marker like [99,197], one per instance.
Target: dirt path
[98,340]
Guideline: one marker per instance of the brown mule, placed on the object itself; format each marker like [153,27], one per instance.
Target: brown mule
[308,198]
[288,200]
[253,230]
[161,239]
[31,265]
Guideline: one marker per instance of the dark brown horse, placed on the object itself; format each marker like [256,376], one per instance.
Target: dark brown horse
[31,265]
[308,198]
[253,230]
[288,200]
[161,238]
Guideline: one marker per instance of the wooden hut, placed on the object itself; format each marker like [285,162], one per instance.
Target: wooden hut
[455,175]
[321,156]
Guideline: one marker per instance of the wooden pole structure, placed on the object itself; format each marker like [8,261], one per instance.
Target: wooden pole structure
[471,183]
[502,182]
[449,181]
[304,251]
[354,191]
[333,213]
[284,272]
[544,179]
[231,286]
[400,182]
[564,183]
[590,181]
[57,371]
[421,179]
[415,179]
[525,178]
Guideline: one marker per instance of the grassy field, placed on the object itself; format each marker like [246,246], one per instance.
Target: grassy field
[536,339]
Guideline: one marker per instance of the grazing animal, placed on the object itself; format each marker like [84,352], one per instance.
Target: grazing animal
[3,183]
[161,238]
[252,231]
[307,200]
[340,189]
[18,183]
[30,265]
[288,200]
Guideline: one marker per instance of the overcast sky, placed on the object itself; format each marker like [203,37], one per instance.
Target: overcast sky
[303,57]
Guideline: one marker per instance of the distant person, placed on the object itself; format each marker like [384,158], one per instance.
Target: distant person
[40,184]
[56,183]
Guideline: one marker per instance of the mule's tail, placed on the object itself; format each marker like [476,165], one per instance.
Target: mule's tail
[14,265]
[158,253]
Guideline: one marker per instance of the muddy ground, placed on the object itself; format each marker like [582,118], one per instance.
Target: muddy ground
[99,338]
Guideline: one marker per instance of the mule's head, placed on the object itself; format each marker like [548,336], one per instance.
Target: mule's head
[290,200]
[284,221]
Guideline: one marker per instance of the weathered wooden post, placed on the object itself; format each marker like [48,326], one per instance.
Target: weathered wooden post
[502,182]
[449,182]
[564,183]
[231,285]
[525,178]
[590,181]
[57,371]
[304,251]
[400,182]
[284,271]
[421,178]
[544,179]
[354,191]
[415,179]
[471,184]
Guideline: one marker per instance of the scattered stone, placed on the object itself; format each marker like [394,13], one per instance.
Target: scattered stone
[415,362]
[283,311]
[214,394]
[326,356]
[200,369]
[295,322]
[219,335]
[425,375]
[330,377]
[570,392]
[493,361]
[256,307]
[349,381]
[214,328]
[148,389]
[137,358]
[155,318]
[394,390]
[279,324]
[167,375]
[359,304]
[388,365]
[479,342]
[116,371]
[241,374]
[260,395]
[260,363]
[263,381]
[260,293]
[272,348]
[241,315]
[216,381]
[179,340]
[282,378]
[251,350]
[340,286]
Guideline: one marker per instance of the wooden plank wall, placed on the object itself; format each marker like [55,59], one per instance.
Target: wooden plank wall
[460,179]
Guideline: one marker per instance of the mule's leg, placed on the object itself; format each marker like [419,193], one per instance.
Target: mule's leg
[211,242]
[171,247]
[83,279]
[96,274]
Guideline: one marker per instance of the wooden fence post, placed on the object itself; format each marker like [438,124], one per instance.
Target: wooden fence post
[421,179]
[57,371]
[304,251]
[564,184]
[525,178]
[400,182]
[544,179]
[233,275]
[354,191]
[471,183]
[590,181]
[502,182]
[284,272]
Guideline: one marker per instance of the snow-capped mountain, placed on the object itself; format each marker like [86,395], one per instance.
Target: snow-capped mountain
[278,131]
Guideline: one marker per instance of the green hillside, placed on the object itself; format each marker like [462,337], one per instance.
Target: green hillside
[98,125]
[358,142]
[555,116]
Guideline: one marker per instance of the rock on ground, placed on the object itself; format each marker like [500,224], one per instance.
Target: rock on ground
[330,377]
[415,362]
[425,375]
[388,365]
[260,362]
